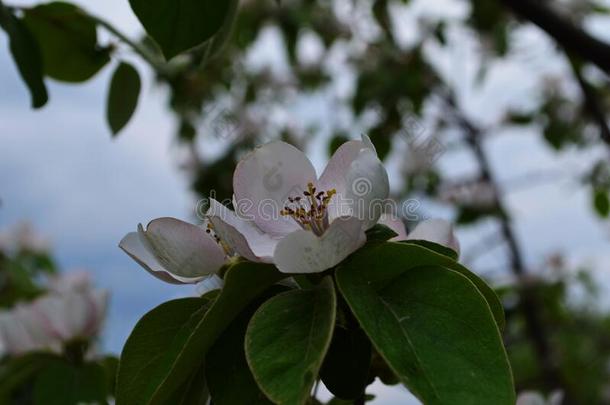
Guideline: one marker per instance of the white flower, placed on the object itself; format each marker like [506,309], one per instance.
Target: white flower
[290,217]
[175,251]
[71,310]
[285,215]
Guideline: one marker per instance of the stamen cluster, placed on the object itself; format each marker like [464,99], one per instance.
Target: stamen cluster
[310,210]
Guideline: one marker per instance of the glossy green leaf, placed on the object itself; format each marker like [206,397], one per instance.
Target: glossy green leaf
[144,357]
[26,54]
[226,365]
[411,255]
[444,250]
[193,392]
[243,283]
[380,233]
[68,41]
[179,25]
[287,340]
[62,383]
[431,325]
[122,97]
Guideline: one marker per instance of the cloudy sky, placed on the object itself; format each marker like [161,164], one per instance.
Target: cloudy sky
[61,171]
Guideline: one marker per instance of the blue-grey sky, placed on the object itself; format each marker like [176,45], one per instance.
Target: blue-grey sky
[61,171]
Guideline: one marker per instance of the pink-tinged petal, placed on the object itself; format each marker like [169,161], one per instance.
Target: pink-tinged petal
[98,305]
[263,181]
[437,231]
[174,251]
[336,169]
[133,245]
[14,336]
[184,249]
[241,235]
[304,252]
[367,187]
[395,224]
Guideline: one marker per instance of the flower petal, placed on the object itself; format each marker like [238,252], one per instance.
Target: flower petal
[437,231]
[14,335]
[339,164]
[243,236]
[395,224]
[304,252]
[367,187]
[264,180]
[174,251]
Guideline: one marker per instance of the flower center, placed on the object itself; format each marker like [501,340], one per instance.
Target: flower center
[310,210]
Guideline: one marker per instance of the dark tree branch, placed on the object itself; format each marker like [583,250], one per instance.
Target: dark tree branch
[529,303]
[568,35]
[591,101]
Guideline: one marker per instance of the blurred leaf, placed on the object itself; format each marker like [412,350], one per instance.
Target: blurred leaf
[431,325]
[16,372]
[287,339]
[68,40]
[64,384]
[601,202]
[470,214]
[180,25]
[122,97]
[26,54]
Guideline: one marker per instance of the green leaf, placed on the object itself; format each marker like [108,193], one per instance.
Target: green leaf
[68,41]
[287,340]
[179,25]
[345,370]
[380,233]
[443,250]
[62,383]
[122,97]
[431,325]
[243,283]
[411,255]
[601,202]
[226,365]
[143,360]
[194,392]
[111,366]
[424,255]
[26,54]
